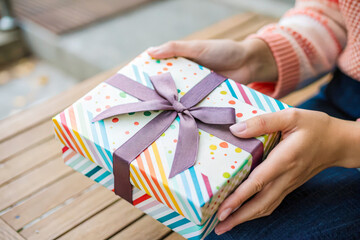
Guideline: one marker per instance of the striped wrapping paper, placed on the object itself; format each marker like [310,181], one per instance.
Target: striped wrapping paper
[141,200]
[196,193]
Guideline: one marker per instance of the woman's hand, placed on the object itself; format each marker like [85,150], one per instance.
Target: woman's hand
[245,62]
[311,141]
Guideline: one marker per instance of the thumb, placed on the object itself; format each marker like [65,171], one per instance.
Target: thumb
[265,123]
[188,49]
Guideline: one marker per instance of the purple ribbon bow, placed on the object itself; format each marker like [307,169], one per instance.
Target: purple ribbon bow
[214,120]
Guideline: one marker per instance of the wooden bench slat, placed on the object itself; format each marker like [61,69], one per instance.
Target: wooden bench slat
[29,159]
[71,215]
[174,236]
[24,186]
[25,140]
[47,199]
[6,232]
[145,228]
[105,223]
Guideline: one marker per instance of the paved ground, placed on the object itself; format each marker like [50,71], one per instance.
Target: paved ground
[30,82]
[75,56]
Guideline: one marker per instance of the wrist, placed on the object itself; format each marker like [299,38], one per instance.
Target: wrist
[260,60]
[346,136]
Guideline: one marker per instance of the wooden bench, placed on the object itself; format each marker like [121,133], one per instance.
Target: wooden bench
[42,198]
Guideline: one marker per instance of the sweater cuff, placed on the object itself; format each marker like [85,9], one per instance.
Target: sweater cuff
[287,63]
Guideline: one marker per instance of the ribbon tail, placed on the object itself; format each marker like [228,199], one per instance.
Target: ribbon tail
[252,145]
[132,148]
[122,185]
[187,145]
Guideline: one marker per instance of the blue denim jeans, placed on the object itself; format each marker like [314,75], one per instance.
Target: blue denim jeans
[328,205]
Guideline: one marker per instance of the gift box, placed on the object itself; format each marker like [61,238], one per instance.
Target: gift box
[221,163]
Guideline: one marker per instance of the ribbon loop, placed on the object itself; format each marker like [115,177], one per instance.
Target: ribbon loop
[165,86]
[187,145]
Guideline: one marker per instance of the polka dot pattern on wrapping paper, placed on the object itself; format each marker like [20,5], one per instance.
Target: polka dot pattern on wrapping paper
[220,150]
[213,147]
[224,145]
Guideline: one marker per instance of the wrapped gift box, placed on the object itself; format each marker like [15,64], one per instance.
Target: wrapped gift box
[195,193]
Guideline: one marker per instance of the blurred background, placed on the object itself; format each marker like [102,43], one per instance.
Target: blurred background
[46,46]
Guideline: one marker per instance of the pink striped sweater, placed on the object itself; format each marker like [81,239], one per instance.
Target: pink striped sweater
[310,40]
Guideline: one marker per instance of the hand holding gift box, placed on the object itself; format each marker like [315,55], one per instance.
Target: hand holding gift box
[221,164]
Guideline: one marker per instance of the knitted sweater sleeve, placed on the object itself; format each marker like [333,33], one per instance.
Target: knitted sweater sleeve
[305,43]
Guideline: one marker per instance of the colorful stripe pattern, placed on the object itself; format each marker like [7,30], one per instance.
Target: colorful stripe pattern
[262,102]
[190,193]
[66,125]
[141,200]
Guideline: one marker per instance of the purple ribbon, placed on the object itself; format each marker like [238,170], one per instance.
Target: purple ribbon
[214,120]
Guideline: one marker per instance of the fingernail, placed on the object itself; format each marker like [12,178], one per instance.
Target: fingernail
[225,214]
[153,49]
[238,127]
[218,232]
